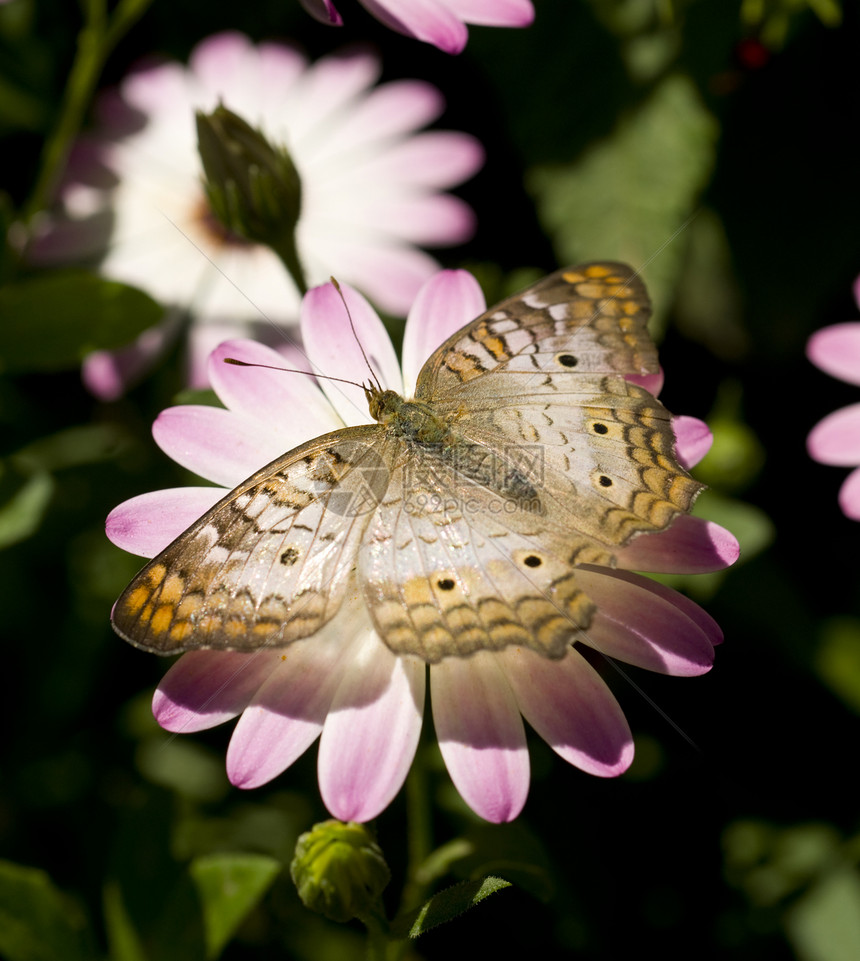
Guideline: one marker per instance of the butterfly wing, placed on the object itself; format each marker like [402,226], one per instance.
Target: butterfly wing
[271,562]
[541,379]
[448,566]
[590,319]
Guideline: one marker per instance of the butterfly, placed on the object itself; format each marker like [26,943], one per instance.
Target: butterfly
[462,514]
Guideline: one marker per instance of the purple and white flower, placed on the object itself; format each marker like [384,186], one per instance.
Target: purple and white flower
[372,187]
[343,684]
[440,22]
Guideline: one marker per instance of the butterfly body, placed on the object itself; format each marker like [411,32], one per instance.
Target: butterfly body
[463,513]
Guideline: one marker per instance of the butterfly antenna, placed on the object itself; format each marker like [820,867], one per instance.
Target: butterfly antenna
[280,331]
[288,370]
[374,378]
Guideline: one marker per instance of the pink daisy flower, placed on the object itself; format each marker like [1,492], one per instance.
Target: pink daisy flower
[440,22]
[343,684]
[371,192]
[836,439]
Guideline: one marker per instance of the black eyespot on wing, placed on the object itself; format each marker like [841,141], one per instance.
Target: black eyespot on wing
[532,560]
[567,360]
[604,481]
[289,556]
[600,428]
[445,584]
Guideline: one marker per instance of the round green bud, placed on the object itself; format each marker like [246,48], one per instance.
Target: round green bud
[339,870]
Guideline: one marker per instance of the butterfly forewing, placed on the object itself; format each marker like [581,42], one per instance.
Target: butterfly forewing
[591,318]
[270,562]
[544,372]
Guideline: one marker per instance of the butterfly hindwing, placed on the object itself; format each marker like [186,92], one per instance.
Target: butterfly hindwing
[450,565]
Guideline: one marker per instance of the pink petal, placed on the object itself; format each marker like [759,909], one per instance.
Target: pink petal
[205,688]
[371,733]
[393,110]
[836,350]
[201,341]
[493,13]
[849,496]
[280,67]
[434,220]
[444,304]
[153,88]
[108,374]
[323,10]
[271,394]
[653,383]
[481,735]
[335,349]
[640,622]
[693,439]
[146,524]
[224,60]
[692,545]
[220,445]
[427,20]
[571,708]
[438,158]
[329,85]
[703,621]
[836,439]
[389,274]
[287,712]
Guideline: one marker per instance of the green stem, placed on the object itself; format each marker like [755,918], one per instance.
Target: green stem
[97,38]
[289,255]
[419,835]
[378,941]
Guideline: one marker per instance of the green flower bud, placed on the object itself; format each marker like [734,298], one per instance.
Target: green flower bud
[339,871]
[252,186]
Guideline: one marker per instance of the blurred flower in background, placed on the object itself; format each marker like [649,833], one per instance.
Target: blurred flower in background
[370,193]
[836,439]
[343,683]
[440,22]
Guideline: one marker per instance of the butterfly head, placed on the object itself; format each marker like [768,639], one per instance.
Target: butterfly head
[383,404]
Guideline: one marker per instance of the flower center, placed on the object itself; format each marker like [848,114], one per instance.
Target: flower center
[211,227]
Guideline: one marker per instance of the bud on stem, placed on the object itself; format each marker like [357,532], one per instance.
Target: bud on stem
[340,872]
[252,185]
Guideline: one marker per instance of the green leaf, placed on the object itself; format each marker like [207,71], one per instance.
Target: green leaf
[230,886]
[630,196]
[38,922]
[54,320]
[191,770]
[122,937]
[837,659]
[75,446]
[824,925]
[24,496]
[737,455]
[446,905]
[508,849]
